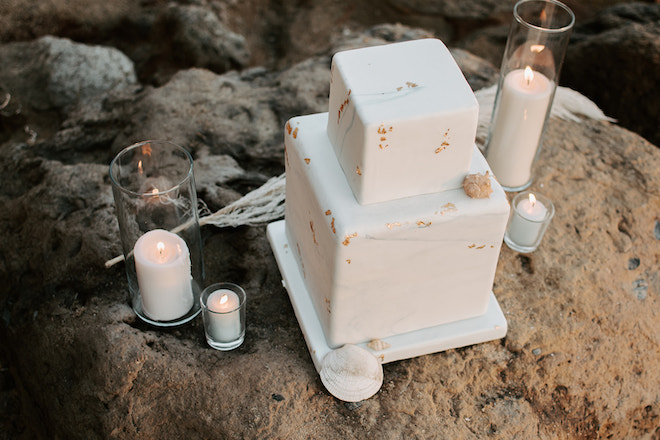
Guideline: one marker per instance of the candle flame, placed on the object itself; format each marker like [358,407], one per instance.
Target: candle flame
[532,199]
[537,48]
[224,299]
[161,247]
[140,170]
[529,75]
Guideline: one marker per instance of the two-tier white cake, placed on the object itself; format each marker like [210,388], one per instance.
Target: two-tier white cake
[384,237]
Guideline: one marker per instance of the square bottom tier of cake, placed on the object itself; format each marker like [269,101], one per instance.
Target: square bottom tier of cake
[373,271]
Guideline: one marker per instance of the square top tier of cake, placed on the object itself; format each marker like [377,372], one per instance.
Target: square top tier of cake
[402,120]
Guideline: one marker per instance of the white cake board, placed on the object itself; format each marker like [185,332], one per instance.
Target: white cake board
[492,325]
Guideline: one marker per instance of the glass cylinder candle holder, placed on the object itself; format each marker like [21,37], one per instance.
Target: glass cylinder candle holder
[223,311]
[529,75]
[530,217]
[156,203]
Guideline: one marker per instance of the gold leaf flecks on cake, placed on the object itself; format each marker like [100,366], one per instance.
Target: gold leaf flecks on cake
[411,84]
[327,304]
[307,160]
[288,127]
[477,186]
[449,207]
[332,226]
[443,146]
[383,130]
[398,89]
[295,133]
[311,226]
[348,238]
[423,224]
[474,246]
[328,212]
[390,226]
[348,260]
[343,106]
[358,171]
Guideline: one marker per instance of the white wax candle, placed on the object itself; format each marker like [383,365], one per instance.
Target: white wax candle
[225,324]
[527,221]
[162,264]
[518,126]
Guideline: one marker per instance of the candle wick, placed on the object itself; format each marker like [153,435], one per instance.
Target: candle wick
[161,248]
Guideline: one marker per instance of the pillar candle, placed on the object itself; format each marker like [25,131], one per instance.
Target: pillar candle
[224,319]
[518,126]
[162,265]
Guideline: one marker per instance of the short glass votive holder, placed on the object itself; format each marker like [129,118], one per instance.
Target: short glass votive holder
[529,75]
[156,204]
[531,214]
[223,311]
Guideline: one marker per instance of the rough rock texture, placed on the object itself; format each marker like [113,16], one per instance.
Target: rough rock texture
[614,59]
[195,36]
[63,73]
[581,359]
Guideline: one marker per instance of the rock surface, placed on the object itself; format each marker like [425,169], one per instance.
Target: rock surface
[580,361]
[614,59]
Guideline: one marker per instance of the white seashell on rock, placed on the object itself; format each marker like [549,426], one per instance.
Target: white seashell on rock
[351,373]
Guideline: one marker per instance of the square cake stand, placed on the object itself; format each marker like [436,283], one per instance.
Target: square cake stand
[487,327]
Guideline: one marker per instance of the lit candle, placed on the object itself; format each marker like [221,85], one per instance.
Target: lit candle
[518,126]
[224,320]
[162,266]
[527,222]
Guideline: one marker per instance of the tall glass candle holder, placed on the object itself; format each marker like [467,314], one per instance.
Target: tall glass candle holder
[156,203]
[528,79]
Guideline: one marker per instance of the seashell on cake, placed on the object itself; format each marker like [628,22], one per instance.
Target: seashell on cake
[378,345]
[351,373]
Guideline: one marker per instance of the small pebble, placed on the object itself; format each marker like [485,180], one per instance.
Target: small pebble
[640,288]
[633,263]
[277,397]
[352,406]
[656,230]
[536,351]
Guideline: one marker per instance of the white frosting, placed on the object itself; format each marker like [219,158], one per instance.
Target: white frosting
[404,115]
[383,269]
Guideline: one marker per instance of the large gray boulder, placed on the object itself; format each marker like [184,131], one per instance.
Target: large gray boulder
[62,73]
